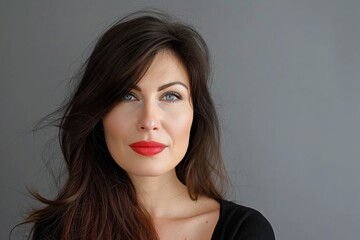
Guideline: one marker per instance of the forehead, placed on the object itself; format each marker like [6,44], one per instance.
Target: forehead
[166,67]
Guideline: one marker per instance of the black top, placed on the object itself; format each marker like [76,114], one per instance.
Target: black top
[237,222]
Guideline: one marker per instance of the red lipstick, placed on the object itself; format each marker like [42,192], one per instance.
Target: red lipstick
[147,148]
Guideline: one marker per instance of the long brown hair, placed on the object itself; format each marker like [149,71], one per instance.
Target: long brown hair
[98,200]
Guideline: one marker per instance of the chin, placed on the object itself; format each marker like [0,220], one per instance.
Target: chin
[150,171]
[155,167]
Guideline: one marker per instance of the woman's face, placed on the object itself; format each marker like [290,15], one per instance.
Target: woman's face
[147,133]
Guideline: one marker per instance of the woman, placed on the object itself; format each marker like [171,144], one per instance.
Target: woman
[140,138]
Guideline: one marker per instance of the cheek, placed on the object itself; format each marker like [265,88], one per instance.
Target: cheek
[116,128]
[180,129]
[181,136]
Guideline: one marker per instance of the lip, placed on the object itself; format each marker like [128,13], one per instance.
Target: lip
[147,148]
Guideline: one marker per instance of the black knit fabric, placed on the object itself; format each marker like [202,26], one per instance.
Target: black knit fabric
[237,222]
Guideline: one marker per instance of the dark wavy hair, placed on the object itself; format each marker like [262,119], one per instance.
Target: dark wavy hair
[98,200]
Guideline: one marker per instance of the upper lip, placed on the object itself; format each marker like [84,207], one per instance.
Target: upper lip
[147,144]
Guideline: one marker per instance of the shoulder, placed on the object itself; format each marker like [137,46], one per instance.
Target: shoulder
[240,222]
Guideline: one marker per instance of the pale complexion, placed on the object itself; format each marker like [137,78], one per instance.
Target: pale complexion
[159,109]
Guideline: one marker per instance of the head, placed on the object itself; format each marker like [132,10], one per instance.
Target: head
[118,62]
[157,112]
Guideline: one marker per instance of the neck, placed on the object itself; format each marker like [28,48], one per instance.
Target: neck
[160,195]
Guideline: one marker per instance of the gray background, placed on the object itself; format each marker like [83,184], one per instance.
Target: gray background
[286,84]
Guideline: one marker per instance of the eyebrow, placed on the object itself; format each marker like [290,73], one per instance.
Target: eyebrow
[164,86]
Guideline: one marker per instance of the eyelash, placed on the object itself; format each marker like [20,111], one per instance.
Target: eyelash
[127,94]
[177,95]
[171,93]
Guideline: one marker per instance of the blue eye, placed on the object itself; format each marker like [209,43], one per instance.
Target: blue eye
[128,97]
[171,97]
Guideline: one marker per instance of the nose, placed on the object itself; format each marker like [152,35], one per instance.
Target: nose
[149,119]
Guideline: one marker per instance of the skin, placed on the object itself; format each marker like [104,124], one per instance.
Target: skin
[159,109]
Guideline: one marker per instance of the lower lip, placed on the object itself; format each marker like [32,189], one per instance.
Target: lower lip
[148,151]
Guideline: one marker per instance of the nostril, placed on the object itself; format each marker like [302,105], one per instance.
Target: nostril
[148,125]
